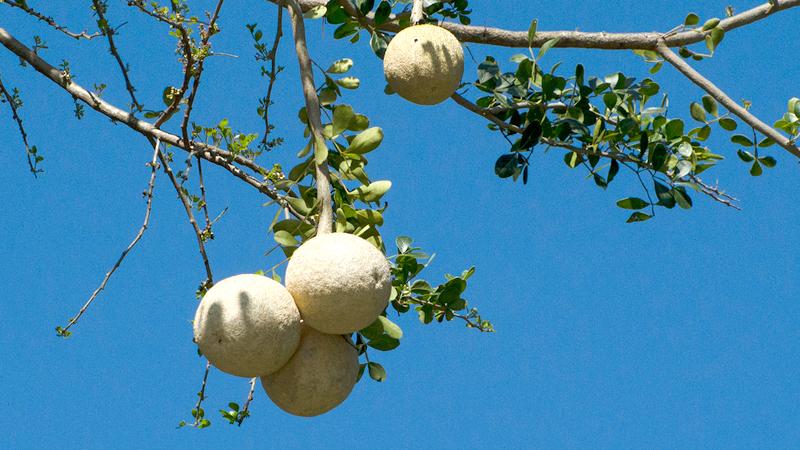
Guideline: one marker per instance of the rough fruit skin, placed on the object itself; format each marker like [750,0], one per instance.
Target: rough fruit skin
[247,325]
[319,377]
[340,282]
[424,64]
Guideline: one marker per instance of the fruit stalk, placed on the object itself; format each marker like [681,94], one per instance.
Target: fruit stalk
[325,222]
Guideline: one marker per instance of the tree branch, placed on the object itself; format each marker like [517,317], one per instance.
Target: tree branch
[698,79]
[105,28]
[49,20]
[580,39]
[148,193]
[417,12]
[325,222]
[12,103]
[210,153]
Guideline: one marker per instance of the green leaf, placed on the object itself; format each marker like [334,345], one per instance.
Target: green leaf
[316,12]
[633,203]
[360,122]
[664,194]
[768,161]
[377,372]
[728,124]
[697,111]
[340,66]
[320,151]
[342,116]
[682,198]
[286,239]
[691,19]
[372,192]
[547,46]
[674,129]
[403,244]
[756,170]
[741,140]
[745,156]
[506,165]
[384,343]
[710,105]
[349,82]
[532,32]
[383,12]
[390,328]
[711,23]
[639,217]
[366,141]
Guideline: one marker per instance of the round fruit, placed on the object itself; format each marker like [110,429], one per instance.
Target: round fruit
[247,325]
[424,64]
[319,377]
[340,282]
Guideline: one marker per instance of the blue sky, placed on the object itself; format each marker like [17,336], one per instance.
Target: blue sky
[679,332]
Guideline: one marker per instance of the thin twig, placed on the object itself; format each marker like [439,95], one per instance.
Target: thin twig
[108,32]
[714,91]
[201,396]
[245,412]
[12,103]
[50,21]
[148,194]
[216,155]
[187,205]
[273,74]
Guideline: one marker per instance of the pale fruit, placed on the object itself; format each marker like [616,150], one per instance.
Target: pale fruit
[340,282]
[424,64]
[319,377]
[247,325]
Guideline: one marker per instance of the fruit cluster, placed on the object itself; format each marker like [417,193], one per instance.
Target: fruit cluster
[296,338]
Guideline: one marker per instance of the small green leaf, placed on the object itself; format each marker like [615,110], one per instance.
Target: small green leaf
[366,141]
[697,111]
[340,66]
[349,82]
[286,239]
[710,23]
[342,116]
[768,161]
[756,170]
[372,192]
[377,372]
[390,328]
[728,124]
[632,203]
[691,19]
[745,156]
[639,217]
[532,32]
[741,140]
[710,105]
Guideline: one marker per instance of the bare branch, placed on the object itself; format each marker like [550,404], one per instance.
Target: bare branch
[108,32]
[245,412]
[698,79]
[580,39]
[148,194]
[49,20]
[210,153]
[29,151]
[325,222]
[187,205]
[273,74]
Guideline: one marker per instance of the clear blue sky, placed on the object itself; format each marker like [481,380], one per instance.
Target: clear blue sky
[679,332]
